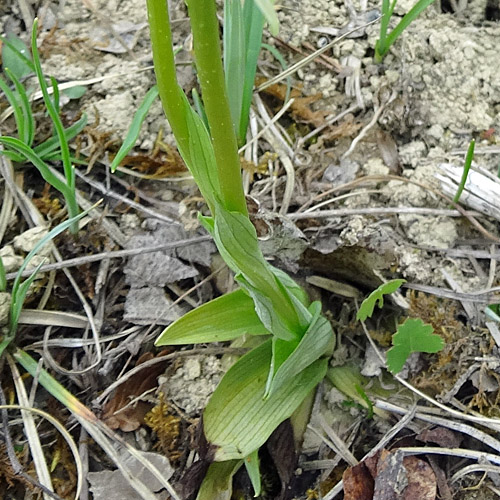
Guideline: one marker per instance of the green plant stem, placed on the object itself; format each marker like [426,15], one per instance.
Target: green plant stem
[171,94]
[205,30]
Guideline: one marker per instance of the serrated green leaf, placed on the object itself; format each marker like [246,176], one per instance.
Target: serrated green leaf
[412,336]
[377,298]
[221,319]
[135,127]
[238,420]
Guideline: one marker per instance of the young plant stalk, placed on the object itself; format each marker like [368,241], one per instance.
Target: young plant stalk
[264,387]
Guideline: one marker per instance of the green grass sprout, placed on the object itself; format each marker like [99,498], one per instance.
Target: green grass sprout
[135,127]
[467,164]
[3,278]
[385,40]
[21,149]
[16,56]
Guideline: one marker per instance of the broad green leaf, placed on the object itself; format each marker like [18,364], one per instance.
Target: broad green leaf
[16,56]
[289,359]
[236,239]
[269,12]
[221,319]
[412,336]
[377,298]
[218,483]
[253,471]
[135,127]
[238,420]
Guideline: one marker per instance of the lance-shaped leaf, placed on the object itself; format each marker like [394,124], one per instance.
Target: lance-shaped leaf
[290,358]
[237,419]
[221,319]
[237,242]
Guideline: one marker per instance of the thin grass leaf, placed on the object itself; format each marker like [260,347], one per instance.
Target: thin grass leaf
[99,432]
[15,56]
[44,149]
[55,94]
[382,48]
[28,134]
[135,127]
[284,66]
[269,12]
[234,57]
[467,164]
[28,154]
[69,173]
[18,299]
[16,107]
[3,278]
[18,289]
[253,21]
[200,109]
[222,319]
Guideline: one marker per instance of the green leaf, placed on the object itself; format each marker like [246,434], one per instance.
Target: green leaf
[218,483]
[221,319]
[234,56]
[3,278]
[75,92]
[135,127]
[412,336]
[238,420]
[18,292]
[377,296]
[16,56]
[290,358]
[267,8]
[13,100]
[253,471]
[47,147]
[27,133]
[237,242]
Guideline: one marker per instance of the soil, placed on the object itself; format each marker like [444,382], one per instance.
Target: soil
[362,180]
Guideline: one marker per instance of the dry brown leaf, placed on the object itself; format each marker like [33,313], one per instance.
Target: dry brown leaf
[389,475]
[132,418]
[445,438]
[358,483]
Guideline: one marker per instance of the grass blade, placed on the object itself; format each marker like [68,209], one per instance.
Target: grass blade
[69,173]
[234,57]
[16,107]
[135,127]
[468,162]
[3,279]
[267,9]
[28,134]
[15,56]
[50,145]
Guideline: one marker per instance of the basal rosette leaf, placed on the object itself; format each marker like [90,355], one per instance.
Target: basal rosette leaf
[224,318]
[238,419]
